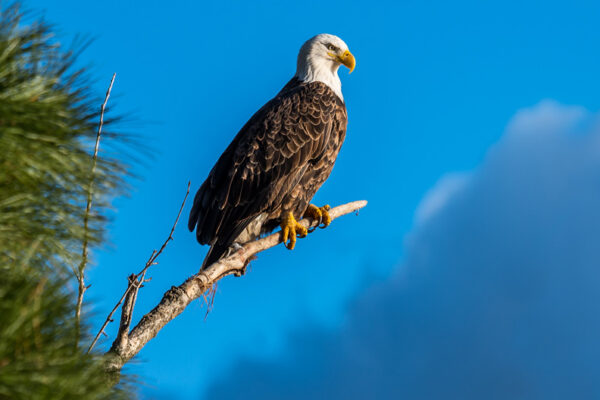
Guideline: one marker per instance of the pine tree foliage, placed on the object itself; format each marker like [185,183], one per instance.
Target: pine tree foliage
[38,357]
[48,123]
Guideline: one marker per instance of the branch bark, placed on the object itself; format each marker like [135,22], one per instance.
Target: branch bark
[176,299]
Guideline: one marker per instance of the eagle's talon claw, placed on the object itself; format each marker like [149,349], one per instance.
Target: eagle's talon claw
[290,228]
[314,213]
[326,217]
[320,214]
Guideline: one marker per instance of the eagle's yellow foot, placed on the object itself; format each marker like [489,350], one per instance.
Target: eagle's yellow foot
[290,228]
[320,214]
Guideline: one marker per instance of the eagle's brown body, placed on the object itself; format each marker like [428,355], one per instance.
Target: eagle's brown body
[274,165]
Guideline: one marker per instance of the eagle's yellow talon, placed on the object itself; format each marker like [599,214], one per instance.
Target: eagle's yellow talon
[326,217]
[290,228]
[320,214]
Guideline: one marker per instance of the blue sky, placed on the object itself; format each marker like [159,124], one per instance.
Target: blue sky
[496,296]
[435,95]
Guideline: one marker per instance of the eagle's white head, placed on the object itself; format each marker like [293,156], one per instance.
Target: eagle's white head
[319,60]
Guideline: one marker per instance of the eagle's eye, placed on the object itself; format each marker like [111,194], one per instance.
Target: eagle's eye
[331,47]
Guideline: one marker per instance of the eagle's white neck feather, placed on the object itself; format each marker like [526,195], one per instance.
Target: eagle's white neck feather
[319,72]
[315,66]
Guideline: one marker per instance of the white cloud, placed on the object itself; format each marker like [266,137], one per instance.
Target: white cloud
[439,196]
[547,117]
[499,292]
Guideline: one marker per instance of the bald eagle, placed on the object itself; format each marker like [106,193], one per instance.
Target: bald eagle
[279,159]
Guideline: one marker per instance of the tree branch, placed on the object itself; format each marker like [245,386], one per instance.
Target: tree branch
[135,282]
[80,273]
[176,299]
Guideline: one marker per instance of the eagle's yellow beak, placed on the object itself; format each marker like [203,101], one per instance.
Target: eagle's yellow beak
[348,60]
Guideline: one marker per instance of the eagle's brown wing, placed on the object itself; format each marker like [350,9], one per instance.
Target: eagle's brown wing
[263,163]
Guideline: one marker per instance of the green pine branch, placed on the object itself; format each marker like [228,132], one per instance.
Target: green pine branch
[48,122]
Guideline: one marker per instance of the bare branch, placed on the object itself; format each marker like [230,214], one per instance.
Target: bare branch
[80,273]
[134,283]
[127,312]
[176,299]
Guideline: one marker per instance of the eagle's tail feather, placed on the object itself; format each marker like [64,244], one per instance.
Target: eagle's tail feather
[219,250]
[215,253]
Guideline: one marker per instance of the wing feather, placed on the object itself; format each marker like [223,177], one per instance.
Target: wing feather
[266,159]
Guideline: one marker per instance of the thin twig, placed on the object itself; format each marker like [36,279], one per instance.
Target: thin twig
[80,274]
[176,299]
[134,284]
